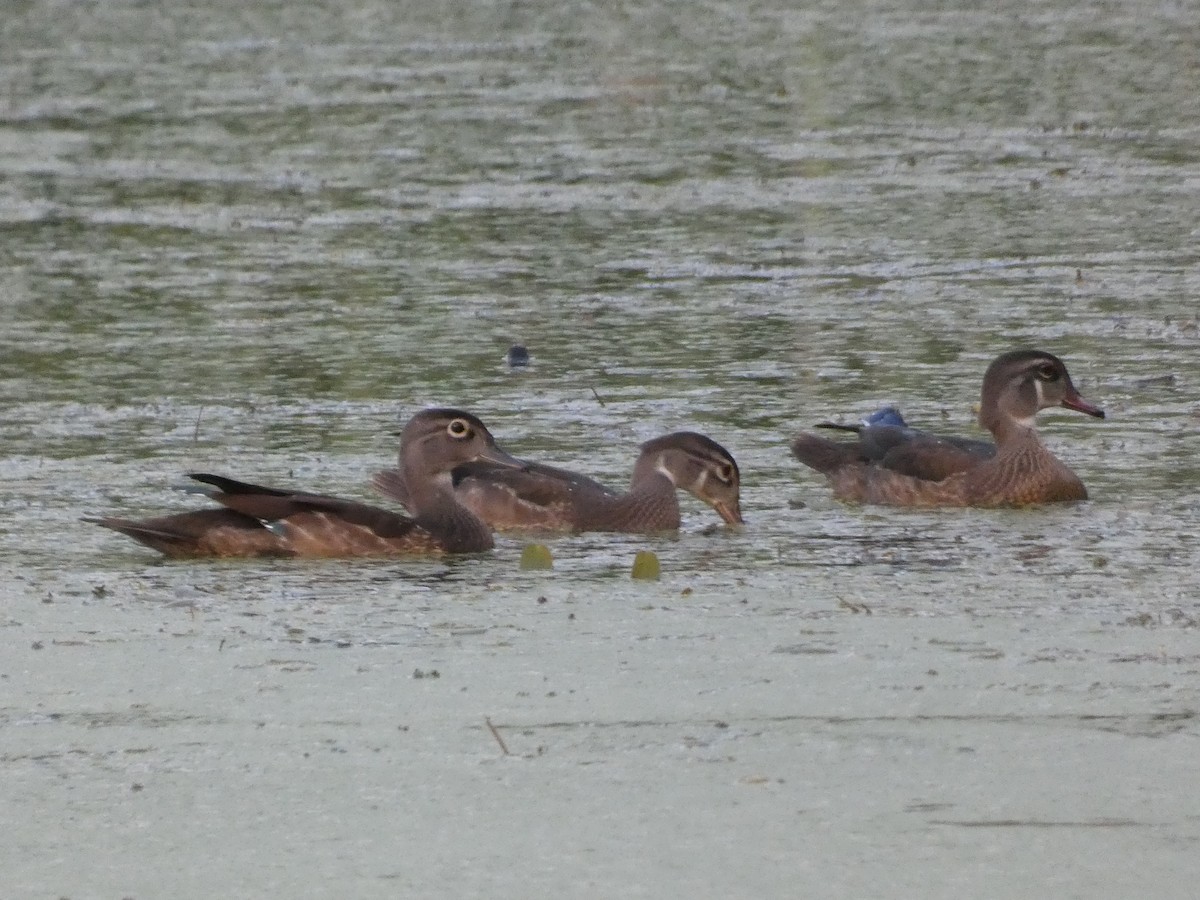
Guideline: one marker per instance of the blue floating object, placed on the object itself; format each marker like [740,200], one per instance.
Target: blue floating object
[517,356]
[889,415]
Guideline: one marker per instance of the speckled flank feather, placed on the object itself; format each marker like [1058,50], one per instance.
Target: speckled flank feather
[506,507]
[651,505]
[1023,477]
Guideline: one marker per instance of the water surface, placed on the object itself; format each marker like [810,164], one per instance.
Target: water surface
[256,240]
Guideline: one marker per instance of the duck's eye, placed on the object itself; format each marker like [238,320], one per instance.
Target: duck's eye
[459,428]
[725,473]
[1047,372]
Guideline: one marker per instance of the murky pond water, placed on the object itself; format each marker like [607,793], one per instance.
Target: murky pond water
[254,240]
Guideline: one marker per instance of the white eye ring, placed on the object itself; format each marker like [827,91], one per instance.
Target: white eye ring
[459,428]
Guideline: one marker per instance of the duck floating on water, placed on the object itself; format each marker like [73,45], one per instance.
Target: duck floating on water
[261,521]
[891,463]
[539,497]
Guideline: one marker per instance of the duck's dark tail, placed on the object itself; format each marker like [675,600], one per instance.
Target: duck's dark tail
[200,534]
[824,455]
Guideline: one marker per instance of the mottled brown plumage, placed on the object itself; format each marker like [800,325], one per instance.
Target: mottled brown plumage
[540,497]
[902,467]
[260,521]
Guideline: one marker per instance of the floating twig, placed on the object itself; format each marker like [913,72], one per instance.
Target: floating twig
[496,734]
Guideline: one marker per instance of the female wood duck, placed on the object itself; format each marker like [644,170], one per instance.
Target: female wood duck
[893,464]
[541,497]
[260,521]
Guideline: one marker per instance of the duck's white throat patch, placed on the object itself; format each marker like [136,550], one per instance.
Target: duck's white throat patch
[660,466]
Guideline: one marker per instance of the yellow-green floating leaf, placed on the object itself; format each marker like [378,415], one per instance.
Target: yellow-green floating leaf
[646,566]
[536,556]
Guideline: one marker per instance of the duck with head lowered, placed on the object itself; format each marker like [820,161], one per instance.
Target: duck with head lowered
[539,497]
[890,463]
[260,521]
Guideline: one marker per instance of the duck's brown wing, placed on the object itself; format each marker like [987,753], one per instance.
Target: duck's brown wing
[933,458]
[318,525]
[536,497]
[907,451]
[260,521]
[916,471]
[536,481]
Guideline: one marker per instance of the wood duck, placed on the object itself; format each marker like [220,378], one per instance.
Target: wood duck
[893,464]
[542,497]
[260,521]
